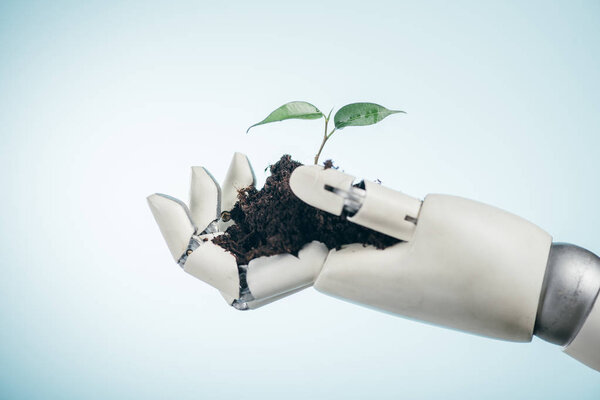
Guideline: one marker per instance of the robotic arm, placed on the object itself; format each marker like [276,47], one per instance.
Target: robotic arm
[462,264]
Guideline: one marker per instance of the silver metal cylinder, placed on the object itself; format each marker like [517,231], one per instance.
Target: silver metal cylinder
[571,286]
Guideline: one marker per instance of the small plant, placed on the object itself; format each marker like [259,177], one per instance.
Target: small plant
[355,114]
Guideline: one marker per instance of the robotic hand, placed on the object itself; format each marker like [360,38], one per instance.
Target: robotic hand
[188,233]
[462,264]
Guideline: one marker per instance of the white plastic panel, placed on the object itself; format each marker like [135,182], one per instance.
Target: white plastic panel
[173,219]
[253,305]
[239,175]
[204,198]
[271,276]
[470,267]
[388,211]
[308,183]
[215,266]
[586,345]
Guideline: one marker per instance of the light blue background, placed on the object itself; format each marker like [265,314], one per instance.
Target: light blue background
[104,103]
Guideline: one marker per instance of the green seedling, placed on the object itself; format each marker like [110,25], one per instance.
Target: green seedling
[355,114]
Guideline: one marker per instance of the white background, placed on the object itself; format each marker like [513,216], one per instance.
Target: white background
[102,104]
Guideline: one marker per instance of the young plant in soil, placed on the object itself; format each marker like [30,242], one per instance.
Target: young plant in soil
[273,220]
[355,114]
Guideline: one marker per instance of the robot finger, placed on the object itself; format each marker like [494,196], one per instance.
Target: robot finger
[376,207]
[212,264]
[205,198]
[271,276]
[174,221]
[239,175]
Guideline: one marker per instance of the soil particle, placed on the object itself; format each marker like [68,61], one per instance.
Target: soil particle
[329,164]
[273,221]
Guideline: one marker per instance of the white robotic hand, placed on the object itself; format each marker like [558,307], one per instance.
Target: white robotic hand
[463,265]
[188,233]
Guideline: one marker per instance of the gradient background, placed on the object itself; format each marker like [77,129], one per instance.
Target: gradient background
[104,103]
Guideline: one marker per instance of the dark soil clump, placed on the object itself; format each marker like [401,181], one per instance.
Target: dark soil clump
[273,221]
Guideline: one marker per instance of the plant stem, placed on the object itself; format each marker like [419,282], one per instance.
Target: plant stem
[323,144]
[325,137]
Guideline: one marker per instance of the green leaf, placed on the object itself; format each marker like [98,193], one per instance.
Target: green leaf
[292,110]
[361,114]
